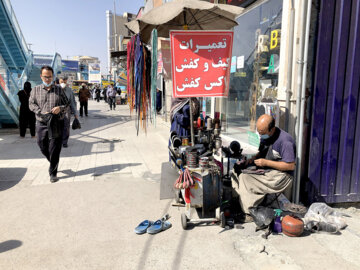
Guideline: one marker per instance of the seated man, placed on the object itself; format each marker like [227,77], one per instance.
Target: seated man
[276,157]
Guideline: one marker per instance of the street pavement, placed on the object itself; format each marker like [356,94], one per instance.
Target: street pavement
[109,183]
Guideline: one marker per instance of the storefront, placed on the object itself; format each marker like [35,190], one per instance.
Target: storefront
[254,72]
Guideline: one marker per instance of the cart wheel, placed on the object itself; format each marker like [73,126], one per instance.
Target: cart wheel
[184,221]
[222,220]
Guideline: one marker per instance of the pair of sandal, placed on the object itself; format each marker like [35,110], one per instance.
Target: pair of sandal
[148,226]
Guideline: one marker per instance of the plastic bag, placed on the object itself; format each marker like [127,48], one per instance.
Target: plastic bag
[263,216]
[280,201]
[321,217]
[76,124]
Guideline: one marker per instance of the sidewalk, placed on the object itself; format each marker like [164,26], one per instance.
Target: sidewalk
[107,144]
[109,182]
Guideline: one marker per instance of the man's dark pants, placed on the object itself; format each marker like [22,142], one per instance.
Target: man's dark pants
[50,148]
[83,106]
[112,102]
[66,132]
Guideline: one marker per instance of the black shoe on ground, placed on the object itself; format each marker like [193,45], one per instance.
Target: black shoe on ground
[54,178]
[245,218]
[65,145]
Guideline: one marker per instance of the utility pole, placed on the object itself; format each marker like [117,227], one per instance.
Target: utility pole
[115,41]
[115,32]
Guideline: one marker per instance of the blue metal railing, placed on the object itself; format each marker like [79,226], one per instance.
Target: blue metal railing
[9,87]
[27,70]
[56,64]
[15,25]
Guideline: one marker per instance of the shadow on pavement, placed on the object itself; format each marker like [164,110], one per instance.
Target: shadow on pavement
[28,149]
[10,177]
[9,245]
[147,247]
[98,171]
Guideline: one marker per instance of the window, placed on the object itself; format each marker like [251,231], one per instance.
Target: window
[254,70]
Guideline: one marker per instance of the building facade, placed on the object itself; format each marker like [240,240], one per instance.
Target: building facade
[117,36]
[296,60]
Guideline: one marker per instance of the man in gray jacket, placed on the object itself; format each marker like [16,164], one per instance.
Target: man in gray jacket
[71,109]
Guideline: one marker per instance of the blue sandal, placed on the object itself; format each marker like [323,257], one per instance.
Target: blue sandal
[158,226]
[143,226]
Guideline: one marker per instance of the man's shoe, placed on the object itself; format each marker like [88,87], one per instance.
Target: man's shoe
[65,145]
[54,178]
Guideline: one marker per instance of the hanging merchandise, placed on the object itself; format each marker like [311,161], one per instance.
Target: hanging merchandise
[154,46]
[139,76]
[130,73]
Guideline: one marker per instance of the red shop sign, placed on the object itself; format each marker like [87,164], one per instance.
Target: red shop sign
[201,63]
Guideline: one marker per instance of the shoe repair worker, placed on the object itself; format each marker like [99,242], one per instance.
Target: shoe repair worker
[49,103]
[275,163]
[71,109]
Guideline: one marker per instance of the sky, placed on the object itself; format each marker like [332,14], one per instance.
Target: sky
[69,27]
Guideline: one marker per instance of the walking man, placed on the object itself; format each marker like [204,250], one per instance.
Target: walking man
[71,109]
[49,104]
[104,93]
[111,94]
[84,95]
[97,93]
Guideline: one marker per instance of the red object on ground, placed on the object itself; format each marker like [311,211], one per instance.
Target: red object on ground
[292,226]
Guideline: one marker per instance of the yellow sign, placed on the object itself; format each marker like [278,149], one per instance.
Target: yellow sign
[274,39]
[106,83]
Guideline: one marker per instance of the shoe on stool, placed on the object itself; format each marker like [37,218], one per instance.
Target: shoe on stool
[54,178]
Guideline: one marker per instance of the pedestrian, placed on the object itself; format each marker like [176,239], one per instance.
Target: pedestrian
[49,103]
[97,92]
[71,110]
[104,93]
[84,95]
[123,97]
[158,100]
[111,94]
[26,117]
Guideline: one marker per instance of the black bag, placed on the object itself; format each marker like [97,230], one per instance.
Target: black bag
[54,126]
[76,124]
[263,216]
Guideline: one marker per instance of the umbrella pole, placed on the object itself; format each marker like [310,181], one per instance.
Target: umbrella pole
[191,124]
[185,26]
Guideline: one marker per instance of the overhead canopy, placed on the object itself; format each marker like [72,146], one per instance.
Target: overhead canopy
[195,14]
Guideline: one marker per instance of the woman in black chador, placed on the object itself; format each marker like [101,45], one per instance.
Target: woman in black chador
[27,117]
